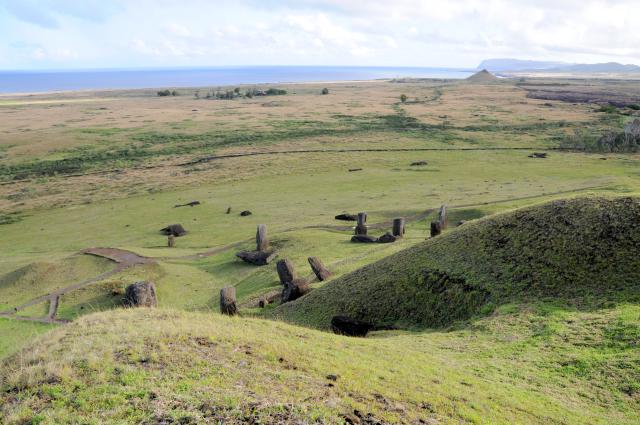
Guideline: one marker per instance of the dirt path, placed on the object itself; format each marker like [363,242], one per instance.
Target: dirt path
[124,259]
[357,150]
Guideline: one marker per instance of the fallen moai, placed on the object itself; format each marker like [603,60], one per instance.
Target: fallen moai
[258,258]
[387,238]
[364,238]
[319,269]
[188,204]
[346,217]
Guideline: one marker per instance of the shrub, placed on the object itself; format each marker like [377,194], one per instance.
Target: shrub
[164,93]
[609,109]
[403,98]
[276,92]
[325,91]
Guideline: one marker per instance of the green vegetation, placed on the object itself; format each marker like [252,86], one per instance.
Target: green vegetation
[10,218]
[524,364]
[626,141]
[523,314]
[167,92]
[580,252]
[275,92]
[17,333]
[40,278]
[608,109]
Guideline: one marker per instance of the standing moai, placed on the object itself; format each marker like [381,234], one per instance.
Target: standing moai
[292,287]
[442,216]
[321,272]
[263,253]
[262,242]
[361,227]
[285,270]
[228,301]
[171,241]
[398,227]
[436,228]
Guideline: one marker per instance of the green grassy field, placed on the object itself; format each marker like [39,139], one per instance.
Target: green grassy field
[529,364]
[106,169]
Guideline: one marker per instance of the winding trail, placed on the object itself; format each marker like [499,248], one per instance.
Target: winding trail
[123,259]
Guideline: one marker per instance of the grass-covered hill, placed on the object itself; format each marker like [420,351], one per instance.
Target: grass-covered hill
[581,252]
[522,364]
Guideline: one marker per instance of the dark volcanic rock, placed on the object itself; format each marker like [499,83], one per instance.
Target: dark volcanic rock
[188,204]
[174,229]
[286,271]
[387,238]
[245,213]
[141,294]
[361,229]
[398,227]
[538,155]
[258,258]
[344,325]
[436,228]
[319,269]
[364,238]
[294,290]
[346,217]
[228,301]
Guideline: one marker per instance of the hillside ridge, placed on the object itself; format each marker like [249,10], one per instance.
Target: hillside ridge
[579,251]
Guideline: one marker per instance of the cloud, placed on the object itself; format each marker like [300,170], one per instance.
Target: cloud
[48,13]
[350,32]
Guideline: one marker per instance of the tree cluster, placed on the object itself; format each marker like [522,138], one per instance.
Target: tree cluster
[167,93]
[236,93]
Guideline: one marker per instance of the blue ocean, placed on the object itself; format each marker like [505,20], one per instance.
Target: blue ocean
[46,81]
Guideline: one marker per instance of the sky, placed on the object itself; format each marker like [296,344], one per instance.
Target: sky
[75,34]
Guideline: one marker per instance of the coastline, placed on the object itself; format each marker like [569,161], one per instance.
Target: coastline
[48,82]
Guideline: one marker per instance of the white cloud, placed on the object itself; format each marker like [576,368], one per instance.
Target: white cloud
[352,32]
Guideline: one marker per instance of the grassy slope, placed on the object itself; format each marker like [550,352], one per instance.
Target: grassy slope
[40,278]
[521,365]
[581,251]
[16,334]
